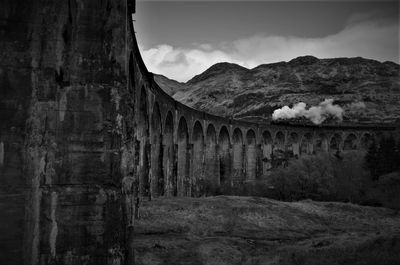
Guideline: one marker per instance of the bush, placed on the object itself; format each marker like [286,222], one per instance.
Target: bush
[352,180]
[307,177]
[389,190]
[323,177]
[383,158]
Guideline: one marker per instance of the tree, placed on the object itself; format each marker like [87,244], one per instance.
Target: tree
[387,155]
[371,160]
[397,156]
[383,159]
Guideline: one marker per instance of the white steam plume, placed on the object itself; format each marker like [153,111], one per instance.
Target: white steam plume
[317,114]
[357,106]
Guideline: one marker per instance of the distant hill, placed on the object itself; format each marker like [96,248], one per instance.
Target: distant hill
[168,85]
[231,90]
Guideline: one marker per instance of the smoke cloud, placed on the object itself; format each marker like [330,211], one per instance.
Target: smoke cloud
[357,106]
[316,114]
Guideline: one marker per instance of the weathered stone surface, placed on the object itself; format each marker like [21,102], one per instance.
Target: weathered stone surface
[59,63]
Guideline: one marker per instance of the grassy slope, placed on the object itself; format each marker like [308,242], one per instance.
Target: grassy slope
[229,89]
[249,230]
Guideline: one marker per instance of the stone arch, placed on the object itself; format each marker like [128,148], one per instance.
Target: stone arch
[321,143]
[211,160]
[224,156]
[350,143]
[157,176]
[279,143]
[306,146]
[266,143]
[143,138]
[237,153]
[168,156]
[366,141]
[197,158]
[335,143]
[293,146]
[251,155]
[183,182]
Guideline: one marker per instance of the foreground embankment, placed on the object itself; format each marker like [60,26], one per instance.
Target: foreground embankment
[252,230]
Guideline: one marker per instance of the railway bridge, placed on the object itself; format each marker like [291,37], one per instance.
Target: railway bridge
[85,131]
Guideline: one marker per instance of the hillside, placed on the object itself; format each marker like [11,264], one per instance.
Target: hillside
[168,85]
[231,90]
[253,231]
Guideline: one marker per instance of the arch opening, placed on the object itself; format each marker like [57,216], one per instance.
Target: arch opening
[293,147]
[335,143]
[224,156]
[183,159]
[279,143]
[198,158]
[168,156]
[211,160]
[278,151]
[321,143]
[350,143]
[157,176]
[237,152]
[366,141]
[251,155]
[266,152]
[306,147]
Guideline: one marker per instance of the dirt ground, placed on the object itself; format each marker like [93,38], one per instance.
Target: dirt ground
[228,230]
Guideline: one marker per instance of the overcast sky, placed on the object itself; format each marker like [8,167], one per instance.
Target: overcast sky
[180,39]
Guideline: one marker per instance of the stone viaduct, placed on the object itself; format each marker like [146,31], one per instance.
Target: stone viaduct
[85,131]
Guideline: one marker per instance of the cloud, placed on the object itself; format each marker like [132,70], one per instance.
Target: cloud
[182,64]
[370,39]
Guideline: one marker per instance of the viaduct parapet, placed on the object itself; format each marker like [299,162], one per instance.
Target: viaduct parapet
[85,131]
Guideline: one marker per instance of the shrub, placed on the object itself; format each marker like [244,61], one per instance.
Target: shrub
[389,190]
[352,180]
[322,177]
[307,177]
[383,158]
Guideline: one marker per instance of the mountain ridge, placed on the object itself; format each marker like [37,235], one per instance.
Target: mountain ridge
[228,89]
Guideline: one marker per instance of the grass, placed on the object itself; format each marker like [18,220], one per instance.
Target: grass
[253,230]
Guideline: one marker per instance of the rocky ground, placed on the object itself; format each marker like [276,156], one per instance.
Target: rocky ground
[251,231]
[231,90]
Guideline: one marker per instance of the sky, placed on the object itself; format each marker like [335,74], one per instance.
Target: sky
[180,39]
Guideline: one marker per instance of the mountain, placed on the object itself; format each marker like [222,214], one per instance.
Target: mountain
[168,85]
[367,90]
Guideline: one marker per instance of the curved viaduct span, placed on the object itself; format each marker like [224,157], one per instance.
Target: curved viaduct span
[85,130]
[181,150]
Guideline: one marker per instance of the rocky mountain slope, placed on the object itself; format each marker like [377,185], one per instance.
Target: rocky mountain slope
[253,231]
[368,90]
[168,85]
